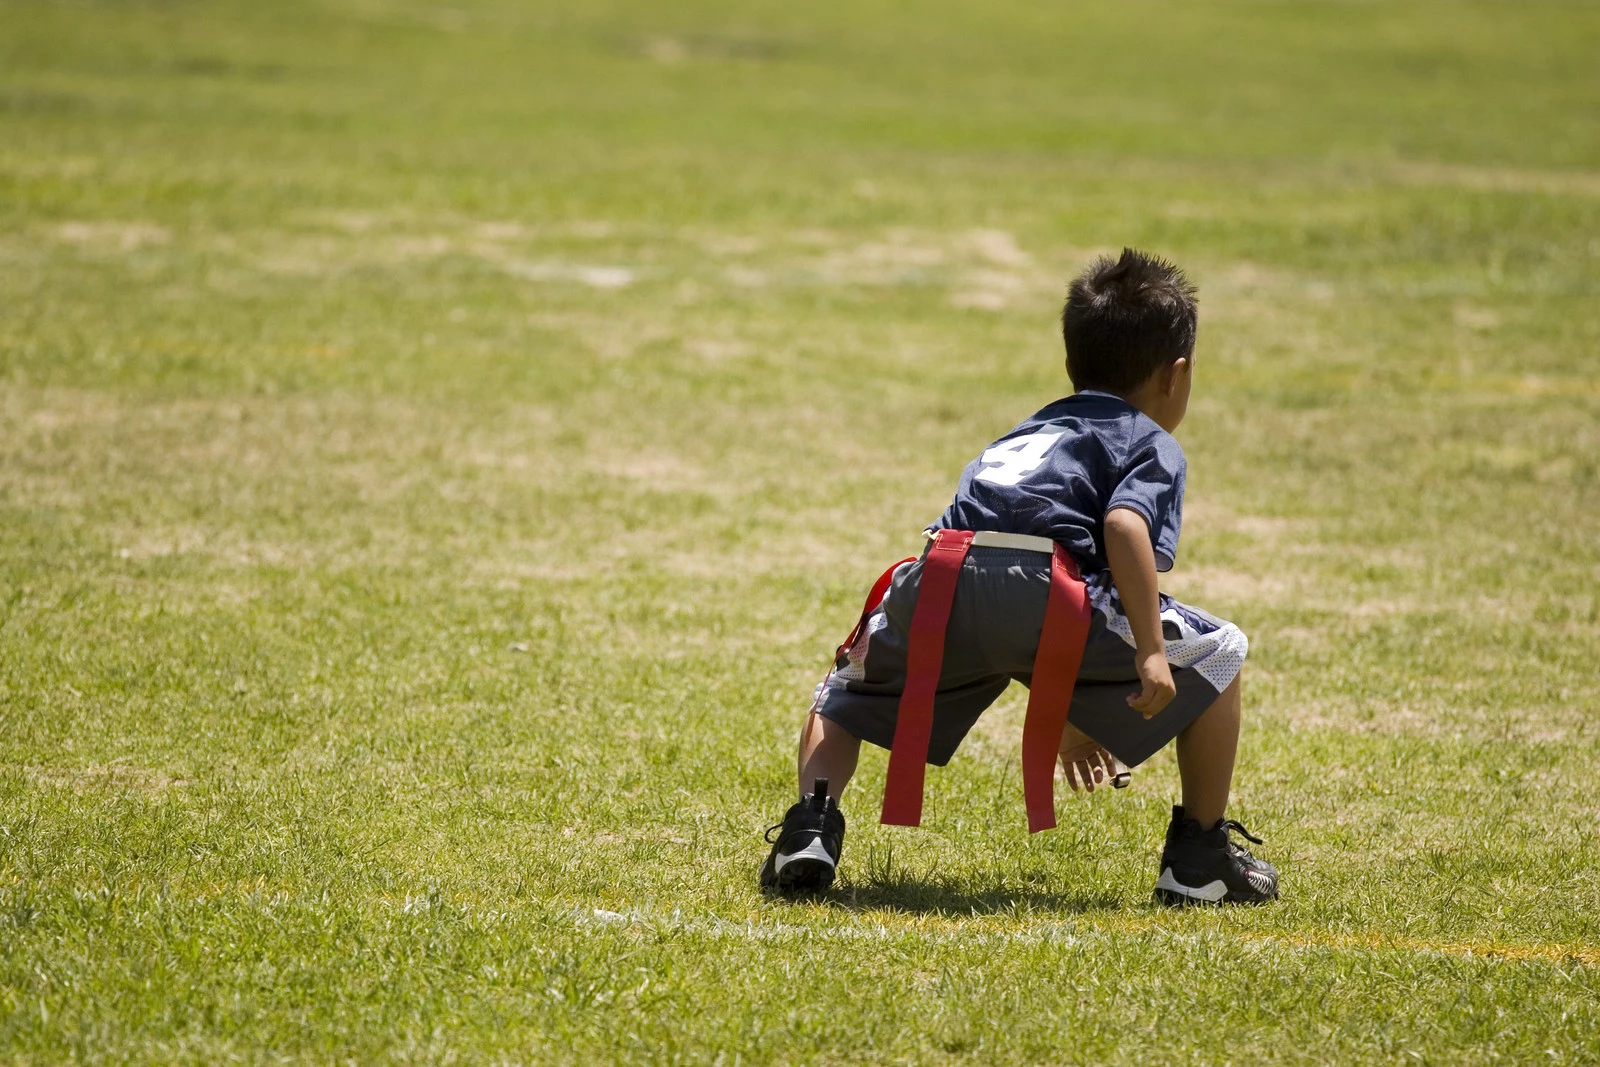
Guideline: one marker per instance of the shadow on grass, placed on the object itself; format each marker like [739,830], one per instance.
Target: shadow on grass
[954,899]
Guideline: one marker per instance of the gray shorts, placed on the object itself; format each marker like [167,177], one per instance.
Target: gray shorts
[991,640]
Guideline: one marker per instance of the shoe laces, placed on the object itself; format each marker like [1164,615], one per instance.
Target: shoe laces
[1236,825]
[828,810]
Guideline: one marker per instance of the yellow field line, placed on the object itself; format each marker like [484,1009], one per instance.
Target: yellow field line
[1588,955]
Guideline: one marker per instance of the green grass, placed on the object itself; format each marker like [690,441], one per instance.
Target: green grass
[439,446]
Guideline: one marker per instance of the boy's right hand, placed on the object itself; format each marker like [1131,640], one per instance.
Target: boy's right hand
[1155,681]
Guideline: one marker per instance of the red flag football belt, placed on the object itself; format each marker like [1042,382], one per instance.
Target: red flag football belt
[1055,672]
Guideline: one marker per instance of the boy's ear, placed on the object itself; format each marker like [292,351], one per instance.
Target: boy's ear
[1174,374]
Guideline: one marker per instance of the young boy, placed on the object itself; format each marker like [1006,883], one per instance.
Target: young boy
[1098,474]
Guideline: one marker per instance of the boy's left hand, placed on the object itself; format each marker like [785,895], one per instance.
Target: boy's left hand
[1086,763]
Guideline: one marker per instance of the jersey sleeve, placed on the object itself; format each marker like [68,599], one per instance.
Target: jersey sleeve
[1152,485]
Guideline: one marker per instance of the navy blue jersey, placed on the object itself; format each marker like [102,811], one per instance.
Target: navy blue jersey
[1060,470]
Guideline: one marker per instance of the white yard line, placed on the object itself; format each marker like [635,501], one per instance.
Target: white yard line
[1061,933]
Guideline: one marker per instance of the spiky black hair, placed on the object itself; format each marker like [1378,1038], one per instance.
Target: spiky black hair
[1125,318]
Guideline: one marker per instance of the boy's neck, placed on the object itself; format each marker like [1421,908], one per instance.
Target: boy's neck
[1163,397]
[1147,399]
[1138,400]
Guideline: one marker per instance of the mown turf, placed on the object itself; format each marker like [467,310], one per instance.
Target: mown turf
[439,446]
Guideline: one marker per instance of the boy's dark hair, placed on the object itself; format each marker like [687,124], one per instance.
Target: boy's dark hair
[1125,318]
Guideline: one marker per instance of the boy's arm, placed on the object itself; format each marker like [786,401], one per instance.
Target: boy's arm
[1133,569]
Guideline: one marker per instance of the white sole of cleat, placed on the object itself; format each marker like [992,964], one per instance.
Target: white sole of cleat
[814,852]
[1211,894]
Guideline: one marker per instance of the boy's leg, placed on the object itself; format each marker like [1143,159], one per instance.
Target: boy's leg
[807,843]
[865,687]
[827,750]
[1207,748]
[1200,862]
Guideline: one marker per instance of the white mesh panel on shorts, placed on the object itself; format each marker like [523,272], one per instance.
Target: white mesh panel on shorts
[855,668]
[1217,654]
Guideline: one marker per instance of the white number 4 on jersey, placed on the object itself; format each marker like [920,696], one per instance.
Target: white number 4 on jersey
[1016,458]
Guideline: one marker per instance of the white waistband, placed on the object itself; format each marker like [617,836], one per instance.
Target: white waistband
[1020,542]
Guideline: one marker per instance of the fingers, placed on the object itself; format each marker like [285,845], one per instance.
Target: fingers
[1078,776]
[1152,697]
[1085,770]
[1156,688]
[1144,700]
[1071,765]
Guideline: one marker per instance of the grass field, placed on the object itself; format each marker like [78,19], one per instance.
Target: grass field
[441,444]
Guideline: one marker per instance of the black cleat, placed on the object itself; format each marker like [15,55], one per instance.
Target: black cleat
[805,852]
[1200,866]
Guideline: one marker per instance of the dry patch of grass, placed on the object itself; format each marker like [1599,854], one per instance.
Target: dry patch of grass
[117,777]
[1498,179]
